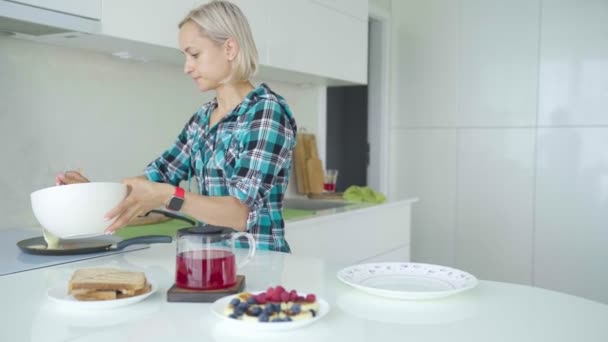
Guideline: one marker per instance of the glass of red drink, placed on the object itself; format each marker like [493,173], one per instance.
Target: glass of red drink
[206,257]
[331,177]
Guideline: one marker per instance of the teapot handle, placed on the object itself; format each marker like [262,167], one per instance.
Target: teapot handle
[252,248]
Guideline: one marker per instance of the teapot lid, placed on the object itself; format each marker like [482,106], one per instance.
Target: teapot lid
[206,229]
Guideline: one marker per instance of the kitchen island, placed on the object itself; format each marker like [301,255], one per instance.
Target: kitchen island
[492,311]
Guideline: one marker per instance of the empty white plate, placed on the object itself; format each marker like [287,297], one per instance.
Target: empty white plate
[406,280]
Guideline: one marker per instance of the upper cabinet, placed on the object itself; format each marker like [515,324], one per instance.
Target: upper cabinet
[310,41]
[356,9]
[299,41]
[318,40]
[83,8]
[34,18]
[153,22]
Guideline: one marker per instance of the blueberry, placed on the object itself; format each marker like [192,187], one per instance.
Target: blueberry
[296,308]
[235,301]
[255,311]
[313,312]
[287,319]
[242,306]
[277,319]
[263,318]
[233,316]
[277,307]
[251,300]
[268,310]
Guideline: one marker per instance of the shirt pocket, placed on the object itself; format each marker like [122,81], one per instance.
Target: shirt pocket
[225,155]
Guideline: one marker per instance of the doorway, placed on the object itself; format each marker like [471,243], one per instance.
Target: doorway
[357,117]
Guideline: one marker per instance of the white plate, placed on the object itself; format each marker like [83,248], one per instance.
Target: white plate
[220,305]
[59,295]
[407,280]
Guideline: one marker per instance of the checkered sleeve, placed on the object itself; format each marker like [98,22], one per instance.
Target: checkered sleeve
[267,146]
[172,166]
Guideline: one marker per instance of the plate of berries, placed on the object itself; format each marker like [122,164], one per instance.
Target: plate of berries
[275,309]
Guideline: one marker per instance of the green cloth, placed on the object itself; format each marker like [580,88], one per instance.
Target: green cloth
[289,214]
[170,227]
[356,193]
[165,228]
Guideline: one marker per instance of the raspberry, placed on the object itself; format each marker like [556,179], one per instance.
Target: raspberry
[284,297]
[280,289]
[276,297]
[311,298]
[293,295]
[261,298]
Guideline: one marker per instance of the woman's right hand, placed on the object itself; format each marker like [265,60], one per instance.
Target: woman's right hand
[70,177]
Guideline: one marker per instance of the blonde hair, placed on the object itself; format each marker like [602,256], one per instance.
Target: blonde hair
[220,20]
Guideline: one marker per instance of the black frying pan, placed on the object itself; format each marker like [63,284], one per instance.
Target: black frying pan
[37,245]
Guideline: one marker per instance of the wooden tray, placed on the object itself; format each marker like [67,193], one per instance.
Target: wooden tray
[176,294]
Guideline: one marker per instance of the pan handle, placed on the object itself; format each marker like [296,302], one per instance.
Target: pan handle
[172,215]
[147,239]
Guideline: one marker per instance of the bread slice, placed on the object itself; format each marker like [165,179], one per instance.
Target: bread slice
[141,291]
[107,279]
[96,295]
[107,283]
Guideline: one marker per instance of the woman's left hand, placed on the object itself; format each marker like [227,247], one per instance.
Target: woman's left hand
[142,196]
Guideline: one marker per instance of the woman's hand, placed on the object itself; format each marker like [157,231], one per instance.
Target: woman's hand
[142,196]
[70,177]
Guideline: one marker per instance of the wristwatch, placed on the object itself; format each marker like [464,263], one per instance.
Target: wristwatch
[177,200]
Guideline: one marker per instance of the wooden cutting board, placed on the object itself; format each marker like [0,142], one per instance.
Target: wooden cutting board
[300,168]
[311,147]
[314,167]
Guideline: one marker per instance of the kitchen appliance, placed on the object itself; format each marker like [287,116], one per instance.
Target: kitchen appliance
[206,263]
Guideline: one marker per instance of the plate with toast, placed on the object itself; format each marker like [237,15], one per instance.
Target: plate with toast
[102,288]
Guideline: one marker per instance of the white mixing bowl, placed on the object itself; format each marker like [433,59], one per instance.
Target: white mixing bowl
[76,209]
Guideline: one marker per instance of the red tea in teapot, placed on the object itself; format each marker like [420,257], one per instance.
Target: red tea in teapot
[205,269]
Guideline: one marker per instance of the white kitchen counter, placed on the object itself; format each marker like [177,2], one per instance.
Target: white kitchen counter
[355,233]
[491,312]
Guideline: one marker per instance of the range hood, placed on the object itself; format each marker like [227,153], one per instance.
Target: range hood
[30,21]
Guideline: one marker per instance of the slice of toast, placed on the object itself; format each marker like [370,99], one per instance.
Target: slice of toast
[107,279]
[107,283]
[96,295]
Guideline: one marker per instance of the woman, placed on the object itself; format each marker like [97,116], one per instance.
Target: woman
[238,146]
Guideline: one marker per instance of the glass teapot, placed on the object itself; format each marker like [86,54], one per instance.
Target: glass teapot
[206,258]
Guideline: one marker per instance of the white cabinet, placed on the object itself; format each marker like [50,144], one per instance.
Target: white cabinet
[83,8]
[400,254]
[299,41]
[357,9]
[321,39]
[377,233]
[318,41]
[153,22]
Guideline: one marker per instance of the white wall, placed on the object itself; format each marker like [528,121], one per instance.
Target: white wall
[500,127]
[63,108]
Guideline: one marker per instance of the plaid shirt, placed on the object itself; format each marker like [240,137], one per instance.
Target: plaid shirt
[247,155]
